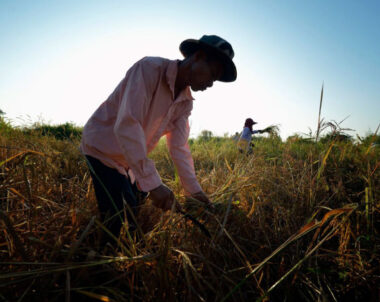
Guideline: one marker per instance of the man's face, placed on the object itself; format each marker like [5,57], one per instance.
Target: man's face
[204,73]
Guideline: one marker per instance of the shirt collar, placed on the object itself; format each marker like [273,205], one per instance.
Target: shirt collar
[188,94]
[171,74]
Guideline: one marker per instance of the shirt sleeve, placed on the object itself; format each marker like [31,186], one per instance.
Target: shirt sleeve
[139,86]
[255,131]
[180,153]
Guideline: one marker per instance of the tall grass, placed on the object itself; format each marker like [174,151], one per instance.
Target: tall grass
[297,220]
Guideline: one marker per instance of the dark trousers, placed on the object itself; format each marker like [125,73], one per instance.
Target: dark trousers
[112,189]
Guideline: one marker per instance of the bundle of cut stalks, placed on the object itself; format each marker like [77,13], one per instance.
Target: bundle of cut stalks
[271,129]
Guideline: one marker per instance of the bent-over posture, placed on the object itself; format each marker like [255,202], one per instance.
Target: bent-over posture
[153,100]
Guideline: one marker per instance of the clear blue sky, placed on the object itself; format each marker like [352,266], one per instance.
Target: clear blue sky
[60,59]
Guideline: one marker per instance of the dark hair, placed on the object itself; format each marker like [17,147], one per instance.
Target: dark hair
[249,123]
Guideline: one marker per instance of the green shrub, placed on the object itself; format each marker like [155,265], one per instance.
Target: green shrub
[60,132]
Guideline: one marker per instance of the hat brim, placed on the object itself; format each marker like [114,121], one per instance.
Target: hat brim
[190,46]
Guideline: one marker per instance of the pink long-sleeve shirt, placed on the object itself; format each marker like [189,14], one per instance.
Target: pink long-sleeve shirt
[129,124]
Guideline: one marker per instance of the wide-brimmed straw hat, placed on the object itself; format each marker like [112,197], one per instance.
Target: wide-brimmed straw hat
[214,44]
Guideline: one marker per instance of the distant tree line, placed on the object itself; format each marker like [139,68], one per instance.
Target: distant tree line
[60,132]
[69,130]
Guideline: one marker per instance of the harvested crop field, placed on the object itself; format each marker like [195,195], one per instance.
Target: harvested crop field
[296,221]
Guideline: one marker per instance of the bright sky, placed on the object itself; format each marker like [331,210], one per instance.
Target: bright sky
[61,59]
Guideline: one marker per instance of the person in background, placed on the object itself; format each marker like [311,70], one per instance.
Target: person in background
[153,100]
[244,143]
[236,137]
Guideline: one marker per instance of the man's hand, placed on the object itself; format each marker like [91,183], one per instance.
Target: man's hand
[201,196]
[162,197]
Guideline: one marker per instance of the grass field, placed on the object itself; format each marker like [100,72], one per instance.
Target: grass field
[296,221]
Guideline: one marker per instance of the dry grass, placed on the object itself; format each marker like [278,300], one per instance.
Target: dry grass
[295,220]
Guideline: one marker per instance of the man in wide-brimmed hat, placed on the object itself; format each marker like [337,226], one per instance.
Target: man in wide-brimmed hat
[152,100]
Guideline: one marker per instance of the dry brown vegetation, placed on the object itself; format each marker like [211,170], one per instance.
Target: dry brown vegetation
[295,221]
